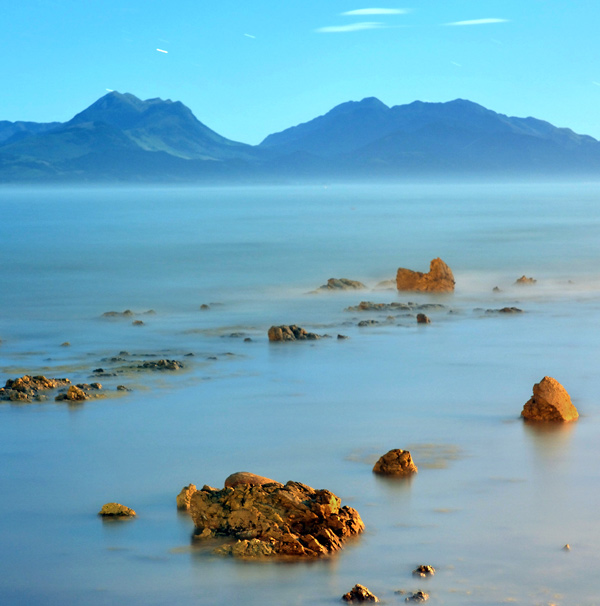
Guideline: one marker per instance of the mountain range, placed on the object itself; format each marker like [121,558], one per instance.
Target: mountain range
[122,138]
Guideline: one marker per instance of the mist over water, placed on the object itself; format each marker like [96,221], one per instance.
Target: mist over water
[494,500]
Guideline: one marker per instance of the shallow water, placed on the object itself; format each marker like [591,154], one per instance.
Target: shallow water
[494,500]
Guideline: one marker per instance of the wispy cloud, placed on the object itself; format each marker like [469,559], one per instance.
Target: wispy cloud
[376,11]
[250,36]
[354,27]
[160,50]
[478,22]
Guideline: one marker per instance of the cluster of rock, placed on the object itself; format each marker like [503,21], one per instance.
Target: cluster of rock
[504,310]
[290,333]
[439,278]
[79,392]
[550,402]
[126,314]
[269,519]
[395,307]
[396,462]
[28,388]
[342,284]
[161,365]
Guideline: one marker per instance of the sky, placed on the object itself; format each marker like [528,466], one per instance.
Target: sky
[253,67]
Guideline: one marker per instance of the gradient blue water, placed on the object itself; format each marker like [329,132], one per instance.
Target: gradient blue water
[492,519]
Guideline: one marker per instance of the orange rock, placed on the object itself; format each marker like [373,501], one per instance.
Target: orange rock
[245,477]
[550,402]
[439,278]
[395,463]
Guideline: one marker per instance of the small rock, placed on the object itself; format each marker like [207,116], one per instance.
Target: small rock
[162,365]
[396,462]
[363,323]
[137,323]
[341,337]
[185,496]
[342,284]
[116,510]
[204,307]
[247,340]
[118,314]
[418,596]
[73,394]
[550,402]
[65,344]
[122,388]
[359,593]
[290,333]
[423,319]
[567,547]
[525,280]
[424,571]
[496,289]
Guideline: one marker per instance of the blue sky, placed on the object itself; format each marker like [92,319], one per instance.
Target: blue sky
[252,67]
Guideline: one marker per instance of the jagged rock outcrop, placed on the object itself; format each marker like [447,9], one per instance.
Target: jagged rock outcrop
[359,593]
[116,510]
[342,284]
[185,496]
[423,570]
[550,402]
[274,520]
[418,596]
[396,462]
[27,388]
[439,278]
[290,333]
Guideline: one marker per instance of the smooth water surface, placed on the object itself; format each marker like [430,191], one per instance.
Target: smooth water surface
[494,501]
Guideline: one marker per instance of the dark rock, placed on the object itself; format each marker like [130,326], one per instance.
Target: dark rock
[438,279]
[290,333]
[137,323]
[396,462]
[247,340]
[122,388]
[342,284]
[118,314]
[204,307]
[419,596]
[274,520]
[342,337]
[496,289]
[368,323]
[189,355]
[423,319]
[359,593]
[550,402]
[504,310]
[65,344]
[162,365]
[424,571]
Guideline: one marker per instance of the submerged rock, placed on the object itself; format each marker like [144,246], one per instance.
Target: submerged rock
[550,402]
[423,319]
[359,593]
[274,520]
[524,280]
[504,310]
[418,596]
[438,279]
[290,333]
[396,462]
[116,510]
[162,365]
[28,388]
[342,284]
[118,314]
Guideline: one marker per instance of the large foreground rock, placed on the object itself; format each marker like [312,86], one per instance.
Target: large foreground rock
[28,388]
[396,462]
[274,520]
[439,278]
[550,402]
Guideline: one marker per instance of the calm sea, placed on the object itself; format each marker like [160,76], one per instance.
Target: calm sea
[494,501]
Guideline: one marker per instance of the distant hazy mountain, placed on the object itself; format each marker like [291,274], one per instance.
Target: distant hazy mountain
[122,138]
[367,137]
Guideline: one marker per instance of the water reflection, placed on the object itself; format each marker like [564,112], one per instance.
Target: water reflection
[551,444]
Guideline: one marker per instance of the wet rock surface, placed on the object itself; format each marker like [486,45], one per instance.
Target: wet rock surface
[550,402]
[116,510]
[273,520]
[359,593]
[396,462]
[28,388]
[290,333]
[439,278]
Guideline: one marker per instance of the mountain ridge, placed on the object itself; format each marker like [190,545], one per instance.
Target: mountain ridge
[355,139]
